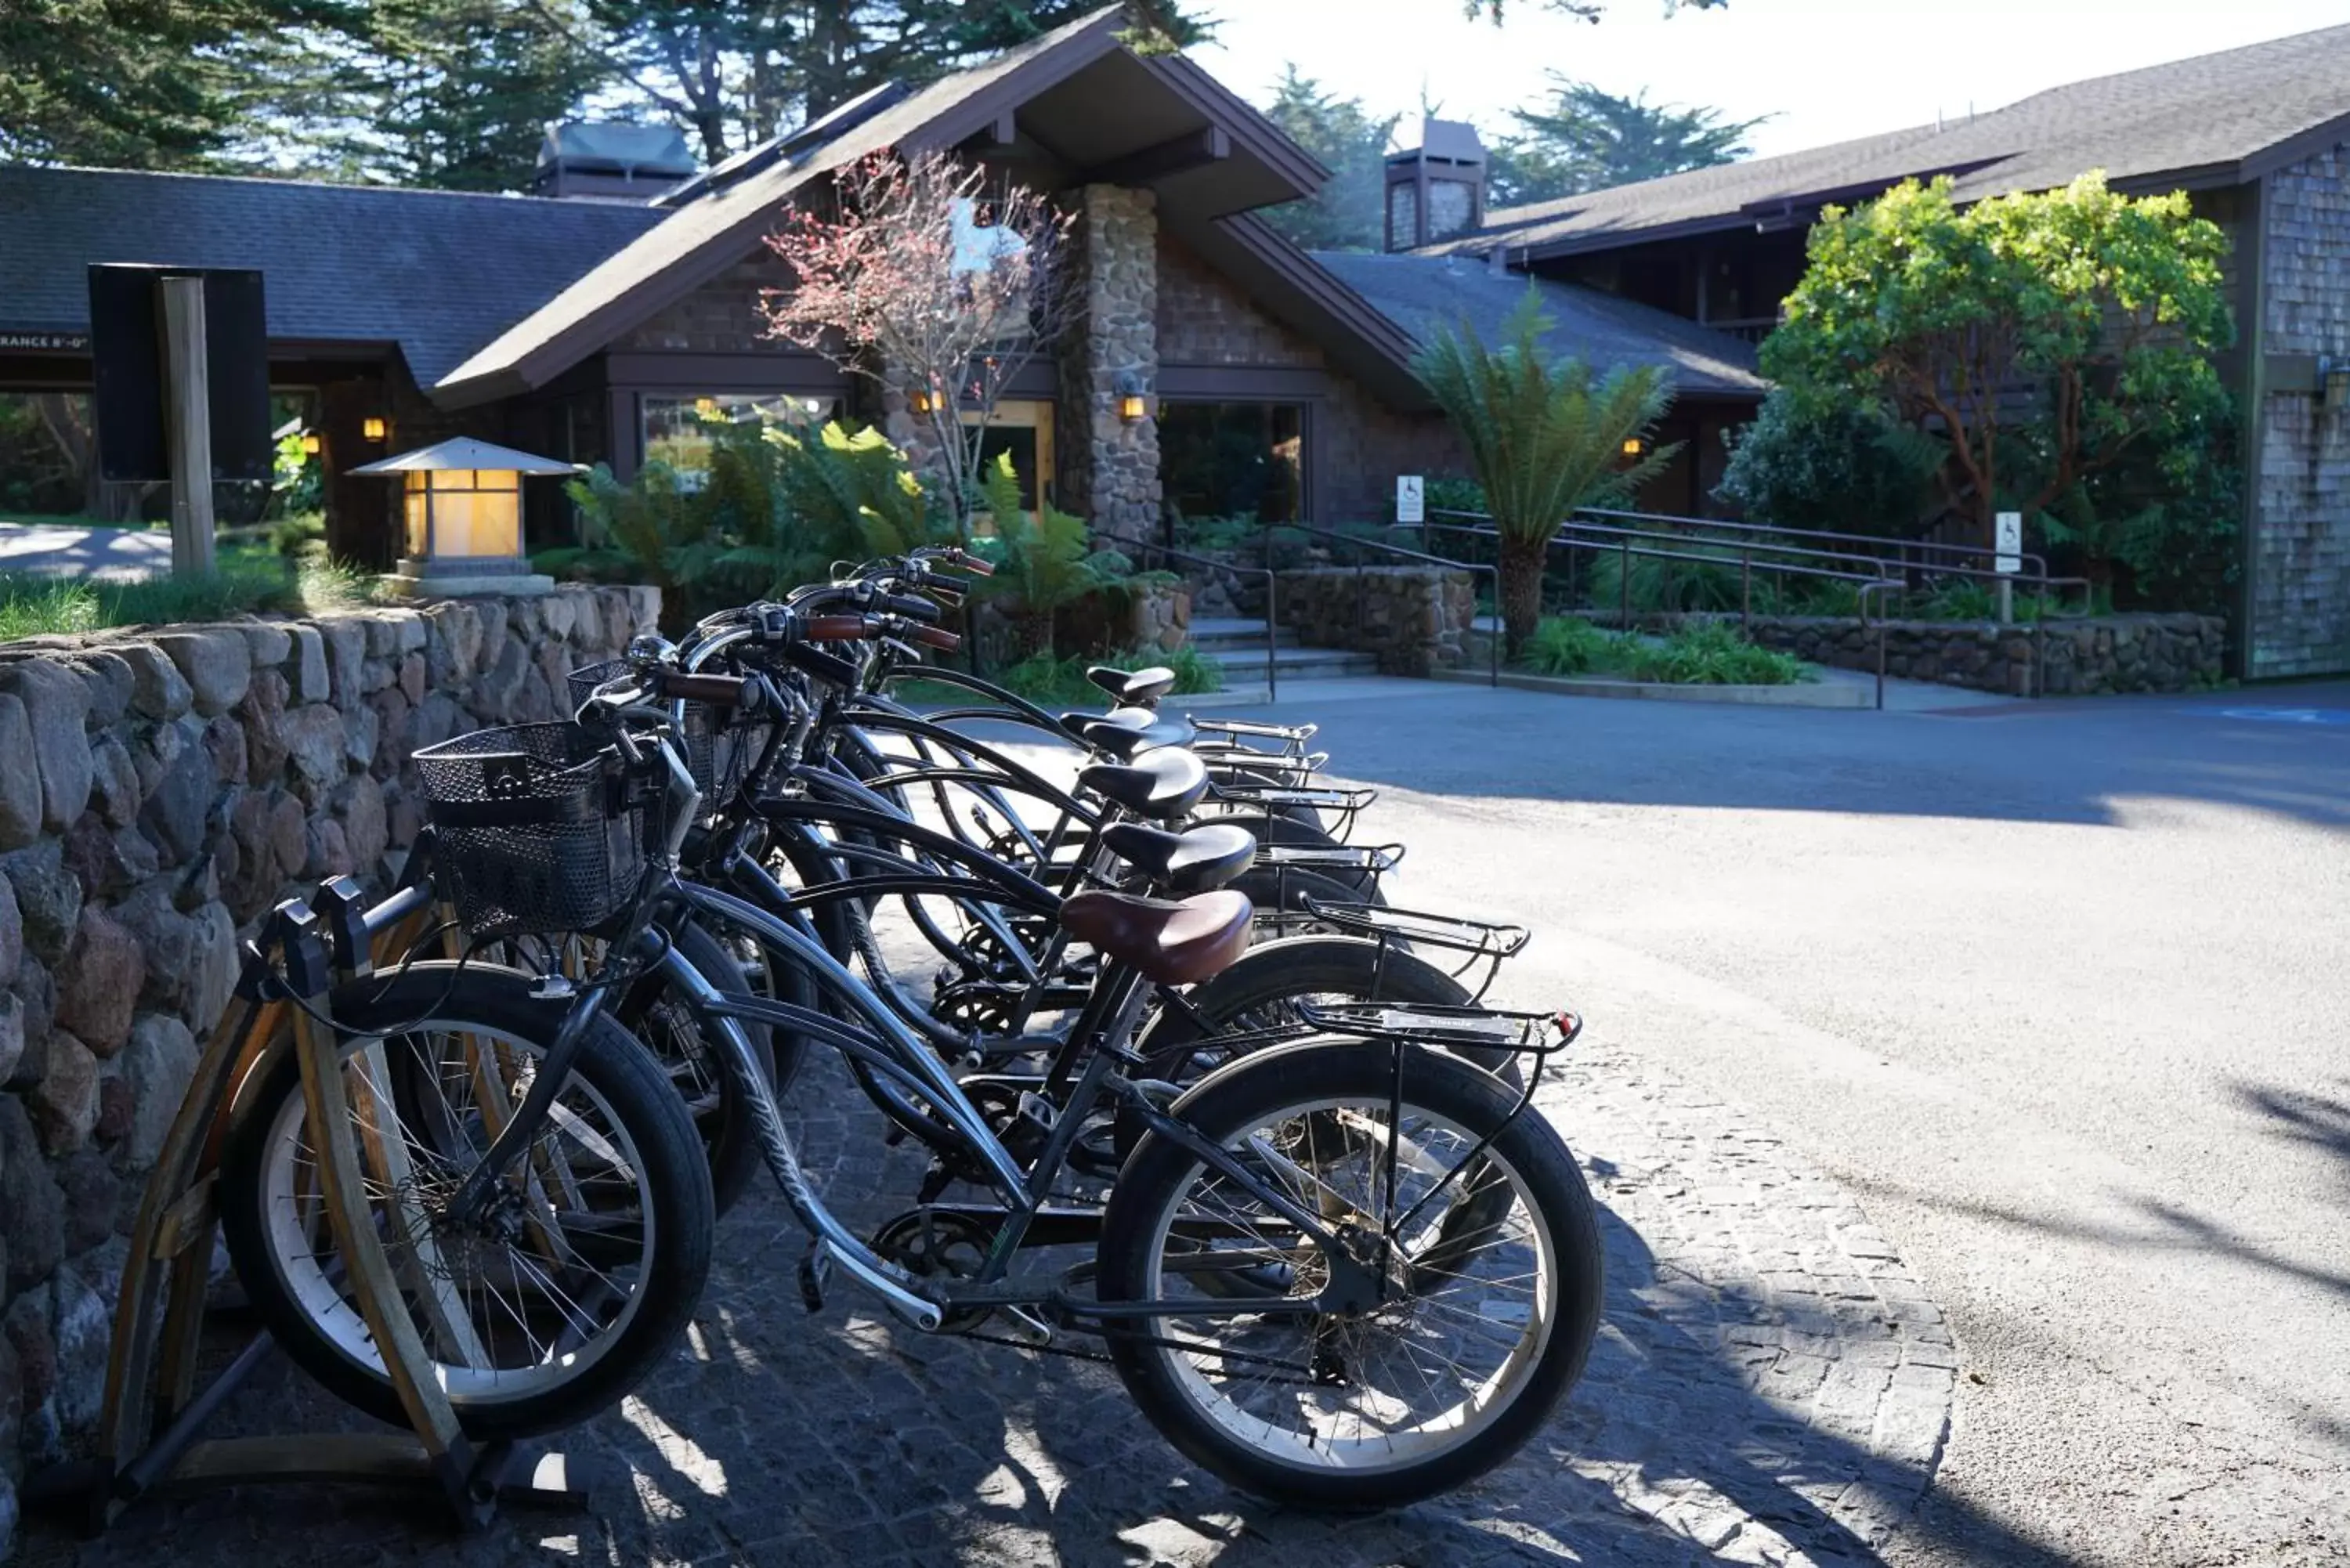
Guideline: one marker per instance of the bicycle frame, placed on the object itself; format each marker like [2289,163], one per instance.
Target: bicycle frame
[894,1052]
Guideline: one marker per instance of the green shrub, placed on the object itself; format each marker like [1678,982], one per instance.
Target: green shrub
[1840,467]
[775,509]
[1713,653]
[1565,645]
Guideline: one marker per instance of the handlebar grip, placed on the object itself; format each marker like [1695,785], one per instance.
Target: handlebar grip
[913,607]
[718,691]
[936,636]
[977,565]
[833,629]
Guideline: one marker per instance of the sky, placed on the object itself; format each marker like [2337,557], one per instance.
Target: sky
[1825,70]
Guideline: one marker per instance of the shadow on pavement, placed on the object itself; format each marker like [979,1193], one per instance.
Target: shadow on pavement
[2062,761]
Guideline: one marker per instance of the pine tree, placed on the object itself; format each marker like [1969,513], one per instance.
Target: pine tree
[143,84]
[451,94]
[1587,140]
[735,72]
[1351,143]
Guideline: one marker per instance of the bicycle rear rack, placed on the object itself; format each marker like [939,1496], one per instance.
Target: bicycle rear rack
[1469,1028]
[1415,931]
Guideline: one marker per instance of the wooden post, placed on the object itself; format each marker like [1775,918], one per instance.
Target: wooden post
[187,402]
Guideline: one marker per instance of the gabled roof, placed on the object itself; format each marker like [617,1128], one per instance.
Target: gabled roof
[434,272]
[2215,119]
[1128,107]
[1421,293]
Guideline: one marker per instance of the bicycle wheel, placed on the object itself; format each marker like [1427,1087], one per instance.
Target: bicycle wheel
[1460,1353]
[536,1323]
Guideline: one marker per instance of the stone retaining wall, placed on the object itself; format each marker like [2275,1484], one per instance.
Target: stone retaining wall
[1415,619]
[2111,653]
[160,791]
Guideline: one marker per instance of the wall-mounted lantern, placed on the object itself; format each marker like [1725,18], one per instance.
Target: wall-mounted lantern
[461,517]
[311,444]
[1636,446]
[919,401]
[374,428]
[1133,399]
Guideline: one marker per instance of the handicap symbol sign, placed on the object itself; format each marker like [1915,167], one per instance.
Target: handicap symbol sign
[2290,715]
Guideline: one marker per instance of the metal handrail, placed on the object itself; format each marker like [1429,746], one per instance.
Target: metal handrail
[1272,593]
[1493,644]
[1893,574]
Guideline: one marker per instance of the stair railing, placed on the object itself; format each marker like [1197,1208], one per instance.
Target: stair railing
[1272,593]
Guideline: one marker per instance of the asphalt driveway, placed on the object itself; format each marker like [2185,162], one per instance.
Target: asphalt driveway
[2060,990]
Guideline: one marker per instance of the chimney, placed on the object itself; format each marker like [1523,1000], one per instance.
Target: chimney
[1437,190]
[604,161]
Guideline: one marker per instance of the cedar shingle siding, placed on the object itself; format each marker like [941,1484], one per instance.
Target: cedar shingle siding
[2300,597]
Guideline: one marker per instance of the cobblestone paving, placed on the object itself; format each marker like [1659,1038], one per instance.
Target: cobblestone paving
[1770,1387]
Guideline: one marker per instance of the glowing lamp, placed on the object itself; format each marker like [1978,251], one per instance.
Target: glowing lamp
[374,428]
[1133,403]
[1633,446]
[461,518]
[310,443]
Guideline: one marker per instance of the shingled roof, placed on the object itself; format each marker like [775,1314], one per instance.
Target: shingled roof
[437,273]
[715,229]
[1421,293]
[2214,120]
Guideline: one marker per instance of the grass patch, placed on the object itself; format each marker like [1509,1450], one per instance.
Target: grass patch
[247,582]
[1700,653]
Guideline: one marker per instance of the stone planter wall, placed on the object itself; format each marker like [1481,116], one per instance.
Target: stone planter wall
[1415,619]
[2110,653]
[159,793]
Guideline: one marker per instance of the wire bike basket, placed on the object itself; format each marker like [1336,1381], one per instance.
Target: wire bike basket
[538,830]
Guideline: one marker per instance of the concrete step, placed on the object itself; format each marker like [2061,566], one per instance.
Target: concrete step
[1216,634]
[1292,664]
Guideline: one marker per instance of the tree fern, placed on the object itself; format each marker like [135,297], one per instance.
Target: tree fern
[1545,437]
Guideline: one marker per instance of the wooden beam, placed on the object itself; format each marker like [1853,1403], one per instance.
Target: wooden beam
[188,405]
[1005,131]
[1192,149]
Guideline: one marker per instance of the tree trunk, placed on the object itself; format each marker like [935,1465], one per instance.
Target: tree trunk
[1522,581]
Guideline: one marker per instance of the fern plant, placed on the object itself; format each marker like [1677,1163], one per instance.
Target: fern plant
[1545,437]
[1044,563]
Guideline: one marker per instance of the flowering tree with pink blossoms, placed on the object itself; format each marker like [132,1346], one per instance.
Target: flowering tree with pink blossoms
[934,281]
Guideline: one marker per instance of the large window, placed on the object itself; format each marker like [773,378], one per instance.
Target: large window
[1232,459]
[678,430]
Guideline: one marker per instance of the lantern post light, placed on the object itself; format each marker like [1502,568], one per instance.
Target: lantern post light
[374,428]
[461,515]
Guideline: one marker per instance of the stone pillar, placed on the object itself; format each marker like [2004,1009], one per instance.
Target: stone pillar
[1110,466]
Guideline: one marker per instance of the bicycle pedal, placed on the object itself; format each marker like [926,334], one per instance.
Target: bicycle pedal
[815,1274]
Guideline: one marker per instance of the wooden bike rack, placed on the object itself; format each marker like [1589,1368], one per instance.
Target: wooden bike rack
[151,1425]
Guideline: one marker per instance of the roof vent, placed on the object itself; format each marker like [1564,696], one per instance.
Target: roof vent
[1436,190]
[604,161]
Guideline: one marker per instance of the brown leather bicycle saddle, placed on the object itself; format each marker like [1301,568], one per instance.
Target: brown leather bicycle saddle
[1175,941]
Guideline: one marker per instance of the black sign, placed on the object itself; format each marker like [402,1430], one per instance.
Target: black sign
[126,334]
[45,342]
